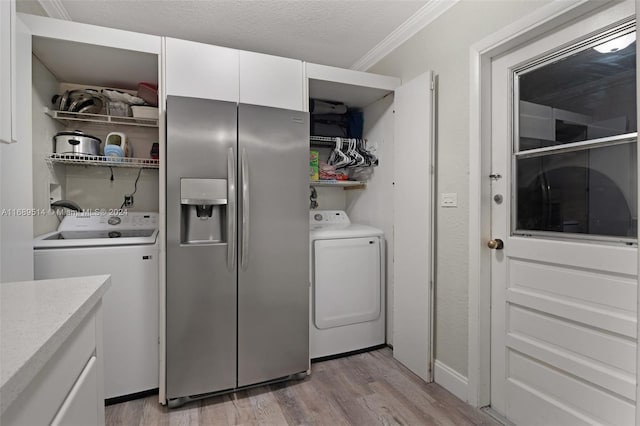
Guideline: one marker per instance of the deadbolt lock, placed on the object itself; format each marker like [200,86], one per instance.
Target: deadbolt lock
[497,198]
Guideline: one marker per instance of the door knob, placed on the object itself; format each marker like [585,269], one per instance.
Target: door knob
[496,244]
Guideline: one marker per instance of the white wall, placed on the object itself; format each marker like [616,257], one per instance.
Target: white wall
[32,7]
[331,198]
[44,85]
[444,48]
[92,187]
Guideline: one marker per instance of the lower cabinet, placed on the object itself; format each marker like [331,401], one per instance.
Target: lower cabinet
[80,406]
[69,389]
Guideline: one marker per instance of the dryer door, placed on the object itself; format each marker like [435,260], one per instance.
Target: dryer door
[346,282]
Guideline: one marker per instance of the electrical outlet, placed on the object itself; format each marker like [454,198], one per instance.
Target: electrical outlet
[128,200]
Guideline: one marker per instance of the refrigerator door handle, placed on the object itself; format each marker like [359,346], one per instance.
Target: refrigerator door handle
[231,211]
[244,254]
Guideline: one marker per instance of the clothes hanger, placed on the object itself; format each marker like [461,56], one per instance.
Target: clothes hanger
[360,158]
[342,159]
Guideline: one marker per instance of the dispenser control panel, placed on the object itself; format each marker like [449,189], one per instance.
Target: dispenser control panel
[203,211]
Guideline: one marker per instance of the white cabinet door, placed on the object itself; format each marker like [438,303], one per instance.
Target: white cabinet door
[271,81]
[7,71]
[346,269]
[43,396]
[200,70]
[413,192]
[81,406]
[16,176]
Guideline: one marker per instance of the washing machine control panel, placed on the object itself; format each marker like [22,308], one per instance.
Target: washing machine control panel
[329,217]
[96,221]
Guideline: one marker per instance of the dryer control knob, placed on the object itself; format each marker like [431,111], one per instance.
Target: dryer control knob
[317,217]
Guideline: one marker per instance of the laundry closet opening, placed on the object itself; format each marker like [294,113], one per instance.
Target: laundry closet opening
[363,116]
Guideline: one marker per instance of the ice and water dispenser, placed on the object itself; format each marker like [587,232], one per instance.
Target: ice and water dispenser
[203,211]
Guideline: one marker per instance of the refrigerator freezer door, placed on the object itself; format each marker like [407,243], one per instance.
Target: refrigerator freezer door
[201,287]
[273,282]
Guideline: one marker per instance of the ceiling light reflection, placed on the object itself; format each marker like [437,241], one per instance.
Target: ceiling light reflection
[616,44]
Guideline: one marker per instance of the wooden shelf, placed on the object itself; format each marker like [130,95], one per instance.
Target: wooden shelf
[102,161]
[345,184]
[65,117]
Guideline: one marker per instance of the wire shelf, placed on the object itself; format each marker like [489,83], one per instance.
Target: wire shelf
[99,160]
[65,116]
[329,142]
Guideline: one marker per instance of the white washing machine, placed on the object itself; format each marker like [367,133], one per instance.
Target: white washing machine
[347,285]
[126,247]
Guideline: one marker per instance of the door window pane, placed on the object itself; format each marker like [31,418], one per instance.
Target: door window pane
[585,95]
[578,96]
[591,192]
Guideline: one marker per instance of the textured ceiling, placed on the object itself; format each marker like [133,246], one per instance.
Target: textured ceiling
[329,32]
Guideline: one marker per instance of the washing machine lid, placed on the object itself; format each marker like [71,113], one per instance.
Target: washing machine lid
[327,232]
[95,229]
[76,239]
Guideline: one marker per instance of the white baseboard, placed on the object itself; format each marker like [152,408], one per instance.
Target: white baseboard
[451,380]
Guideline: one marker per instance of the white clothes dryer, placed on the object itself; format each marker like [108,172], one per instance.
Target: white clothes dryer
[347,285]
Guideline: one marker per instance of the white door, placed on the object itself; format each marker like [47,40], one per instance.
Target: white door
[564,189]
[16,218]
[201,70]
[7,71]
[412,231]
[346,282]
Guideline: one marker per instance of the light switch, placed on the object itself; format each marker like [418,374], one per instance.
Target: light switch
[449,199]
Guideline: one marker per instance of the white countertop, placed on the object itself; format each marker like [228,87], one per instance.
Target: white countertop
[36,317]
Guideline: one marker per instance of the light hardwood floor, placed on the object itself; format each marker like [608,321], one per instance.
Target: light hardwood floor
[366,389]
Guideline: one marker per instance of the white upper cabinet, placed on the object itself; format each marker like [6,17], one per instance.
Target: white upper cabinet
[7,71]
[201,71]
[271,81]
[211,72]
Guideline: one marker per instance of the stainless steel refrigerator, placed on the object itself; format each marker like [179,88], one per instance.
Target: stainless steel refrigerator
[237,246]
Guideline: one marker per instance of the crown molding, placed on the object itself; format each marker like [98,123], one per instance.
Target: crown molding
[55,9]
[423,17]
